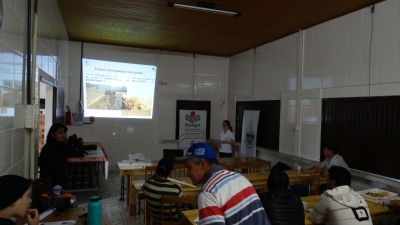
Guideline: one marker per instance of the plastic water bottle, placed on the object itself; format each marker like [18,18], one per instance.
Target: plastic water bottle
[57,189]
[94,211]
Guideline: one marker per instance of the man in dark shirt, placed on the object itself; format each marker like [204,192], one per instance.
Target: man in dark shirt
[281,206]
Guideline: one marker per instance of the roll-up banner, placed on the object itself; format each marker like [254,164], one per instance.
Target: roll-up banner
[249,132]
[192,127]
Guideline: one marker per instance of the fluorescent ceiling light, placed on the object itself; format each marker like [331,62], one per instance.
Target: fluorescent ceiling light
[204,9]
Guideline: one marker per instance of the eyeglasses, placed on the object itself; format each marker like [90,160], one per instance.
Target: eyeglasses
[224,125]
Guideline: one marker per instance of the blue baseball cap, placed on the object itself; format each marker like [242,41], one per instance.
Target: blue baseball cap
[200,150]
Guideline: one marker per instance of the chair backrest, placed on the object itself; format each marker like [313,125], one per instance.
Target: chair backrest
[179,171]
[312,180]
[170,205]
[243,167]
[264,166]
[149,172]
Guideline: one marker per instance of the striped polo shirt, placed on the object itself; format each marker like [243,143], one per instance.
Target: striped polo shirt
[154,189]
[229,198]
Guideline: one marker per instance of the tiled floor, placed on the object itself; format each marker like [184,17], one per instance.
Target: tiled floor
[110,194]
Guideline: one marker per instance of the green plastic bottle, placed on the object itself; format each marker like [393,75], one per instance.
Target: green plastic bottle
[94,211]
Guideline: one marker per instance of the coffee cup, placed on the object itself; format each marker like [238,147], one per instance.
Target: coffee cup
[386,202]
[298,169]
[305,205]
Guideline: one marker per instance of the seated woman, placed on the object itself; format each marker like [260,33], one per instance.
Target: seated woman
[15,200]
[282,207]
[53,157]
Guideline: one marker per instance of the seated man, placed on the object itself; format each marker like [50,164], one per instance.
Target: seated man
[281,206]
[226,197]
[16,200]
[340,204]
[332,158]
[158,186]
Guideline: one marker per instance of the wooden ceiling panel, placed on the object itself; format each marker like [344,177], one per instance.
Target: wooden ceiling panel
[151,24]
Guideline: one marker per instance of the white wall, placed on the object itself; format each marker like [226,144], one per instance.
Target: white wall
[52,55]
[188,78]
[336,64]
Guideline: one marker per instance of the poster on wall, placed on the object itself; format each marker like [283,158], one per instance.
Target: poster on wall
[249,132]
[192,127]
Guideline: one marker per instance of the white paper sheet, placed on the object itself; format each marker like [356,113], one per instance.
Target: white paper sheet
[196,220]
[45,214]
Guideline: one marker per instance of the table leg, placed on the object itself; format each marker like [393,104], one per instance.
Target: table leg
[132,194]
[128,188]
[122,188]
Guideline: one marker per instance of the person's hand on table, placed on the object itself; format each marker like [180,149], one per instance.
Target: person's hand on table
[325,173]
[224,141]
[32,216]
[319,170]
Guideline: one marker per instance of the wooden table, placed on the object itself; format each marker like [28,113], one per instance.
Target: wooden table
[96,157]
[376,211]
[189,216]
[258,180]
[131,171]
[70,214]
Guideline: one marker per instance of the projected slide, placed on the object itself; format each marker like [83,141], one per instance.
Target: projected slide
[112,89]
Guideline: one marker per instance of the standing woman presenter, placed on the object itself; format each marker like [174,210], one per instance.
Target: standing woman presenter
[227,139]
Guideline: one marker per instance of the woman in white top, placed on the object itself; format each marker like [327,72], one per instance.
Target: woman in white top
[227,140]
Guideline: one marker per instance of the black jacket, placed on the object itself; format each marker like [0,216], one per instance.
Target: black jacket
[6,222]
[53,163]
[283,208]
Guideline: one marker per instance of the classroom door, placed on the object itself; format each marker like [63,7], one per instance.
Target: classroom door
[47,111]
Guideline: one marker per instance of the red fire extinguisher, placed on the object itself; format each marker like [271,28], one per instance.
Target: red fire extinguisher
[68,116]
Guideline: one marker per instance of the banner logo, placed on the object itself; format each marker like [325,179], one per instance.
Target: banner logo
[192,117]
[192,127]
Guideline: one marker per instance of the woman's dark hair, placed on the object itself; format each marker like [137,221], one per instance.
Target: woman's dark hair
[277,180]
[229,124]
[53,129]
[341,175]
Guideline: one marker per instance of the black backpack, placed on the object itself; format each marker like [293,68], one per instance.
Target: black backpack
[75,147]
